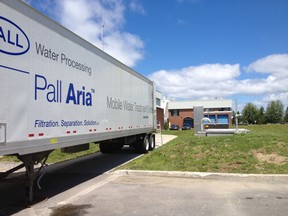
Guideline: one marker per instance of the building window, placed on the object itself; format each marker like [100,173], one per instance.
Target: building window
[212,118]
[223,119]
[209,109]
[174,112]
[224,109]
[158,102]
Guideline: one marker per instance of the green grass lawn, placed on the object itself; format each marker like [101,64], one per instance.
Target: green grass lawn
[264,150]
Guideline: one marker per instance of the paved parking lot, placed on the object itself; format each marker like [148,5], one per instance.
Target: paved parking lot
[89,186]
[150,194]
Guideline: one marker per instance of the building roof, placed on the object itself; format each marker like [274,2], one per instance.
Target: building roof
[205,103]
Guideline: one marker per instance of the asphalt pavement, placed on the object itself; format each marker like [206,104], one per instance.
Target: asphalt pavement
[90,186]
[146,193]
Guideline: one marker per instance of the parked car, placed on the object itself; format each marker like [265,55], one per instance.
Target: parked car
[174,127]
[186,127]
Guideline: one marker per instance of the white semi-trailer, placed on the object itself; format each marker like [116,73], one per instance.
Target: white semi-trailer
[59,91]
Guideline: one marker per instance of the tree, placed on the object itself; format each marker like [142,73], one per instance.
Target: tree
[250,113]
[286,115]
[261,116]
[274,112]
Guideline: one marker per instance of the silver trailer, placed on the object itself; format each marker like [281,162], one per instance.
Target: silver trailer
[59,91]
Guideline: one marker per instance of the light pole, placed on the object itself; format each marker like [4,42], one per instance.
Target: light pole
[102,35]
[236,116]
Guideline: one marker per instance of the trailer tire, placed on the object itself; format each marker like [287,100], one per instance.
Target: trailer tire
[152,143]
[142,145]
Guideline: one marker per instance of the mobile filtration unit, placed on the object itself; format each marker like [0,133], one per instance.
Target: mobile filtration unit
[59,91]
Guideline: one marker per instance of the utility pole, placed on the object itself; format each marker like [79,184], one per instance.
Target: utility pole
[236,116]
[102,35]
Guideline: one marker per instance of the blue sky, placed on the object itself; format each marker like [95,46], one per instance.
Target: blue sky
[192,49]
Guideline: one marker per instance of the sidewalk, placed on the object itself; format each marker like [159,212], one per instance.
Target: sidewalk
[162,139]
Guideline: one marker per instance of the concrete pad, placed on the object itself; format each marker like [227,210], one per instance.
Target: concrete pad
[162,139]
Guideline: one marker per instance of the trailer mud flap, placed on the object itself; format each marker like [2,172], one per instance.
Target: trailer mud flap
[2,133]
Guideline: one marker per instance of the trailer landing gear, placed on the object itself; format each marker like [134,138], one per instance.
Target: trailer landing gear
[29,161]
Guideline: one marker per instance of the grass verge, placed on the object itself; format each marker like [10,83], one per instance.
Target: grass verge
[264,150]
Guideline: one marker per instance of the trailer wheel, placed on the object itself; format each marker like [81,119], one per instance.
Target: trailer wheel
[142,145]
[152,143]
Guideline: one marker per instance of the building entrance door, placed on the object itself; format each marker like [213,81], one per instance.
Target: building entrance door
[188,121]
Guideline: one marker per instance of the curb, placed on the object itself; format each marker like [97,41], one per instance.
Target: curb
[203,175]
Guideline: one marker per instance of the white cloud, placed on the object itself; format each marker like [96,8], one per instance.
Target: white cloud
[126,47]
[197,81]
[136,6]
[281,96]
[180,22]
[224,80]
[276,65]
[86,18]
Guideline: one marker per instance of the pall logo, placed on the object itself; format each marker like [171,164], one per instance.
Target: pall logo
[13,40]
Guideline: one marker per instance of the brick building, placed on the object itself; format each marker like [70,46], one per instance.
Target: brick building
[218,111]
[159,110]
